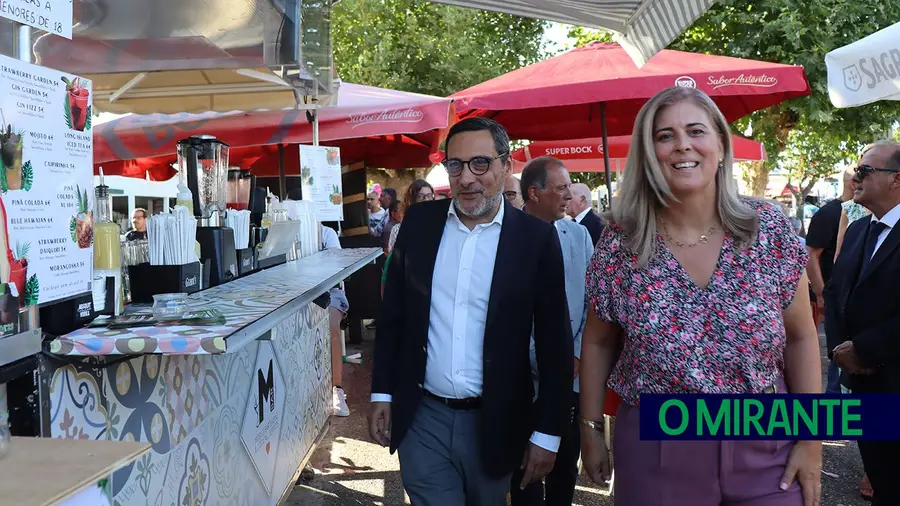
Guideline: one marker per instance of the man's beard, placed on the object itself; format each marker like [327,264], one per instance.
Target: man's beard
[487,205]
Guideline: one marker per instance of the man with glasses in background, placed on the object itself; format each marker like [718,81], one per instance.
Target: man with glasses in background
[862,309]
[468,280]
[512,190]
[546,190]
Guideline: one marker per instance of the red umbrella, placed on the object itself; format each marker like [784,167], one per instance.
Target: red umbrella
[383,121]
[586,155]
[389,152]
[597,89]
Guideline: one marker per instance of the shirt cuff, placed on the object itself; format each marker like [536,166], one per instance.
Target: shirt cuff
[381,397]
[545,441]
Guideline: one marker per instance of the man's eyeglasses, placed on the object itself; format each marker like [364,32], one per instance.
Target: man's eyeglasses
[864,170]
[479,165]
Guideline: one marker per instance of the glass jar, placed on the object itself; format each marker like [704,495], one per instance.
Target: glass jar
[169,306]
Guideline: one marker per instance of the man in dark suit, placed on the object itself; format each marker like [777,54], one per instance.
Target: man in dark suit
[451,388]
[862,311]
[581,210]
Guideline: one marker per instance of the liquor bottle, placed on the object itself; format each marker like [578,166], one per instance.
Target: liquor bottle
[107,252]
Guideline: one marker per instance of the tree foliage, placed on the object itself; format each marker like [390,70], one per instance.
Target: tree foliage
[582,36]
[801,33]
[426,47]
[811,155]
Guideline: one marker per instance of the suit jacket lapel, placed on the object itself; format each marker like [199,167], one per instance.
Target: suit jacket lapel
[428,238]
[887,247]
[505,265]
[852,253]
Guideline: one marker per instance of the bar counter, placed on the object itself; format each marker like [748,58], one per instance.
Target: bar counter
[230,411]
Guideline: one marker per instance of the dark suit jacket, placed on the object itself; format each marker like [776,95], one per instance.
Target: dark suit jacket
[594,225]
[864,307]
[528,286]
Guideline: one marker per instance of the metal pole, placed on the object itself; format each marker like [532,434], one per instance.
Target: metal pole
[606,153]
[315,102]
[282,179]
[29,317]
[23,43]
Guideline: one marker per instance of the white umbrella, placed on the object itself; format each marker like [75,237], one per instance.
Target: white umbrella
[867,70]
[644,27]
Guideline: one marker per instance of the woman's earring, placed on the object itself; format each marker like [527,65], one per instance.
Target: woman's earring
[721,164]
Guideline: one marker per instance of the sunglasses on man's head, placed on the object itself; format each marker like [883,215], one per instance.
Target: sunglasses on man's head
[479,165]
[864,170]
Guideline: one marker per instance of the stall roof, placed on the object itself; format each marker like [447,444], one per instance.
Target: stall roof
[645,27]
[166,56]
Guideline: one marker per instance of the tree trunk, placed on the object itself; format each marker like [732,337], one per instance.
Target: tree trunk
[757,177]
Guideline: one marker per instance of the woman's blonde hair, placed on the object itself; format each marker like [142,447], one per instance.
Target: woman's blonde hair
[644,190]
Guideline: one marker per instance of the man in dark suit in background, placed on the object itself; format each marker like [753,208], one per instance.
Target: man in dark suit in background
[452,388]
[862,309]
[582,211]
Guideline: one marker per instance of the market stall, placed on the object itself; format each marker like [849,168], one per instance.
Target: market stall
[230,410]
[230,393]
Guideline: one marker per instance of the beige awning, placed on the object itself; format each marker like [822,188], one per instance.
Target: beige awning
[644,27]
[192,91]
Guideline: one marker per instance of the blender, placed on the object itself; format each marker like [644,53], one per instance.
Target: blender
[203,167]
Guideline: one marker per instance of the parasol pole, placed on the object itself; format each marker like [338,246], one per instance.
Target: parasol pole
[282,179]
[29,317]
[23,43]
[315,125]
[606,153]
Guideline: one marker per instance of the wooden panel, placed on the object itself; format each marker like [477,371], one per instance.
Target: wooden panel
[350,232]
[43,471]
[352,167]
[356,214]
[357,197]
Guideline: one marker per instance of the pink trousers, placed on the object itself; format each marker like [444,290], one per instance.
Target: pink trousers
[697,473]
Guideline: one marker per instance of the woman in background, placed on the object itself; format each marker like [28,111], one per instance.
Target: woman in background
[680,232]
[419,191]
[850,212]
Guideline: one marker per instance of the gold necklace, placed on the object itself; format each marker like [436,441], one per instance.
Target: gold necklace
[704,238]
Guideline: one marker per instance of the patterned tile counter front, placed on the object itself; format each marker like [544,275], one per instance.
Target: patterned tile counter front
[226,429]
[252,305]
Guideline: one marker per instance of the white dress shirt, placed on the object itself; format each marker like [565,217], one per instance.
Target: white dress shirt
[330,238]
[582,214]
[890,219]
[460,293]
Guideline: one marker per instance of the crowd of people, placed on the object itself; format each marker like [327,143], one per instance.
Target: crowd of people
[512,312]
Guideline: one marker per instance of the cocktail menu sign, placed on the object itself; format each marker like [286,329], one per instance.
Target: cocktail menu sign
[320,181]
[46,182]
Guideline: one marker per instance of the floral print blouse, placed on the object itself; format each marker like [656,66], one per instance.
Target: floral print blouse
[678,338]
[854,211]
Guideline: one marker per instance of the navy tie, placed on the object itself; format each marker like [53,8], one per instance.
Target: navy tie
[875,229]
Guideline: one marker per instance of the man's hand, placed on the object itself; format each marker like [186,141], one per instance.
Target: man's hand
[537,463]
[846,358]
[820,302]
[380,423]
[577,367]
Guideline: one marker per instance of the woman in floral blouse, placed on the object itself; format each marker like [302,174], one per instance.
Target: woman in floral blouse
[850,212]
[698,288]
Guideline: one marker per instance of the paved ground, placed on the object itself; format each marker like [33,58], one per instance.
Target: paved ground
[350,470]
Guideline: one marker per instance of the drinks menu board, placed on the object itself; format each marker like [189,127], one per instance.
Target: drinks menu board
[320,181]
[46,182]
